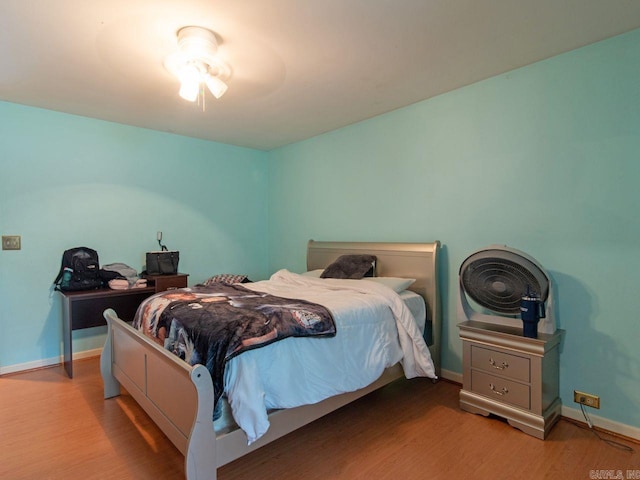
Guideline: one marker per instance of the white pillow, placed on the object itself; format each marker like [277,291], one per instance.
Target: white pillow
[313,273]
[395,283]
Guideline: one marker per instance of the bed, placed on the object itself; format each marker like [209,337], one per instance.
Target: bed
[179,397]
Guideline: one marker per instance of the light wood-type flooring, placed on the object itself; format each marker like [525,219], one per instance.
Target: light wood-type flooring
[52,427]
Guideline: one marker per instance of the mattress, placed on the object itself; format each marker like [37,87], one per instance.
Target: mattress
[416,305]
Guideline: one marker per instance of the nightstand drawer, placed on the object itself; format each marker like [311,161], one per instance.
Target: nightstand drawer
[500,389]
[499,363]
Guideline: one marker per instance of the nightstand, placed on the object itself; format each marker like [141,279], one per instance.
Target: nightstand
[511,376]
[167,282]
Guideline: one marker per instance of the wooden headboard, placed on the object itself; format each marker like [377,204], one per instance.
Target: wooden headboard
[408,260]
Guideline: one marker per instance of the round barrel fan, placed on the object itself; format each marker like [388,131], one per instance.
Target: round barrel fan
[496,278]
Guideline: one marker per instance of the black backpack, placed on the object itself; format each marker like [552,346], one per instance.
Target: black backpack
[79,270]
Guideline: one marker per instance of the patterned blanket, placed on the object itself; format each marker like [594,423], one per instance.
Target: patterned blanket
[211,324]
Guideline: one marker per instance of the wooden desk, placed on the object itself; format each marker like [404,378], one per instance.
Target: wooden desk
[84,309]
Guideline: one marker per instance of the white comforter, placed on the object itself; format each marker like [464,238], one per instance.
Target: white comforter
[375,330]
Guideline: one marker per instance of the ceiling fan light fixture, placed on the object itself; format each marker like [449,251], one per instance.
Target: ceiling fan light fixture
[216,86]
[189,91]
[189,83]
[196,62]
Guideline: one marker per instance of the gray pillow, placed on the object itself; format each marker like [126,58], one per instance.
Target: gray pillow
[352,267]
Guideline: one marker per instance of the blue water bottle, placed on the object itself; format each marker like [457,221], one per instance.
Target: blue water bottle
[531,311]
[66,277]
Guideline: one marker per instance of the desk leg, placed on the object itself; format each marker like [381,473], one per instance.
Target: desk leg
[66,336]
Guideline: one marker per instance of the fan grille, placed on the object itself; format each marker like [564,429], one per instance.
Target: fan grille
[498,279]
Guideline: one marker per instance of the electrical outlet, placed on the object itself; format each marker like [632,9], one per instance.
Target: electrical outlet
[587,399]
[11,242]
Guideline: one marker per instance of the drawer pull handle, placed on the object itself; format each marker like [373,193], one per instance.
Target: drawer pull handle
[504,390]
[502,366]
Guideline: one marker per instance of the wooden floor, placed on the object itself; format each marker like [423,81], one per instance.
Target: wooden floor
[52,427]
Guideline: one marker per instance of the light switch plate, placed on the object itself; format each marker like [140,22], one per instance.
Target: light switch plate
[11,242]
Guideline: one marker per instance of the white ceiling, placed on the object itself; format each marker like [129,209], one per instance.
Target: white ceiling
[300,67]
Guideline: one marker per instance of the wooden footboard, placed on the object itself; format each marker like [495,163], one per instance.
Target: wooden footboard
[179,399]
[177,396]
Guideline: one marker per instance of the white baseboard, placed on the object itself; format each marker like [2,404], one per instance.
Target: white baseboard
[48,362]
[601,422]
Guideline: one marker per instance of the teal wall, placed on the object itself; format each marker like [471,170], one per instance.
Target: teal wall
[545,159]
[68,181]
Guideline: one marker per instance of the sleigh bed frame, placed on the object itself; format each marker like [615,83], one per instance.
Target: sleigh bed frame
[179,397]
